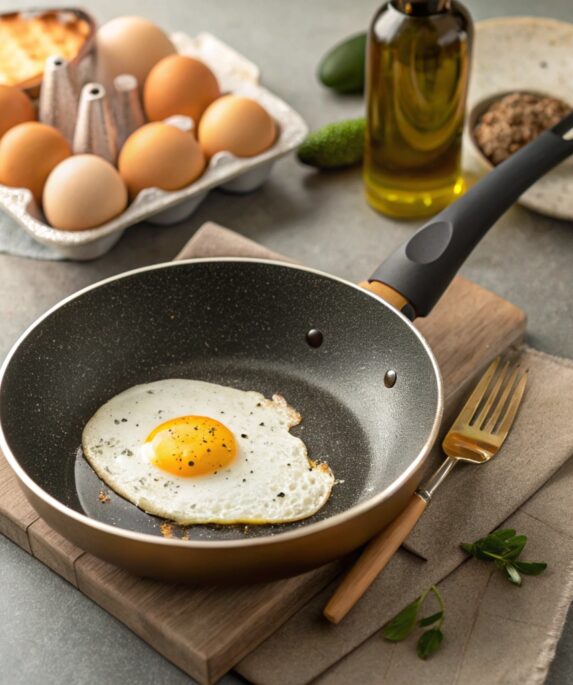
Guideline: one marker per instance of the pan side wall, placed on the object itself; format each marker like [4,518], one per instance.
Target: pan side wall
[209,564]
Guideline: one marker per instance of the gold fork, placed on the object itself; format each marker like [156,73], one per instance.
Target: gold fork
[475,436]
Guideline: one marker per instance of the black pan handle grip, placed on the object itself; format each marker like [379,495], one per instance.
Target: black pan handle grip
[424,266]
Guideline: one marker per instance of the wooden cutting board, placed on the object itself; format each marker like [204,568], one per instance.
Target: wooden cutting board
[205,631]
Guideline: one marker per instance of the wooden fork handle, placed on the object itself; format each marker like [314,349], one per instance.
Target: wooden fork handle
[373,559]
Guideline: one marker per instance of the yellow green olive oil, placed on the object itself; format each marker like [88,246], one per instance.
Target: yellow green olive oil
[417,70]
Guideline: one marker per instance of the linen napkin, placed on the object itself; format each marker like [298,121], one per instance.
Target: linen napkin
[494,632]
[474,500]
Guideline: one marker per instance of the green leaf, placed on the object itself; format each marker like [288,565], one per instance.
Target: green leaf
[429,642]
[503,547]
[503,534]
[399,627]
[488,546]
[487,552]
[530,568]
[494,543]
[512,574]
[515,546]
[489,556]
[430,619]
[500,544]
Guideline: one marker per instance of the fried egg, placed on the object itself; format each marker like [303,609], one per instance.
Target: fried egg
[196,452]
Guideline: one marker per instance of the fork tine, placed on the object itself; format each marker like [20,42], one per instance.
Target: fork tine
[500,404]
[491,397]
[477,395]
[512,408]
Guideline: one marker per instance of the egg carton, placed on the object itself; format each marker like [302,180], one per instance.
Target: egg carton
[240,175]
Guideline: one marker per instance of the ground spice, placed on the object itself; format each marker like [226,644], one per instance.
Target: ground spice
[515,120]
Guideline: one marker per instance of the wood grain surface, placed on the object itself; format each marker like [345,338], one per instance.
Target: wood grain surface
[205,631]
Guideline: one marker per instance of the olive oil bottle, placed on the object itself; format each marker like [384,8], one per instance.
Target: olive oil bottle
[417,70]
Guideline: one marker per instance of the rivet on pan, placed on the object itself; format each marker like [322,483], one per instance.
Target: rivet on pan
[390,378]
[314,337]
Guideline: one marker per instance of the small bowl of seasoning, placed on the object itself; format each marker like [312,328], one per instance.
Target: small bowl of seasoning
[521,69]
[502,124]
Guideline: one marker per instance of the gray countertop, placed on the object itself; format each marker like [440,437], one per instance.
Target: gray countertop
[49,632]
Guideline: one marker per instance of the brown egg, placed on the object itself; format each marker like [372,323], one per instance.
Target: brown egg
[15,108]
[28,153]
[130,45]
[238,125]
[159,155]
[179,85]
[83,191]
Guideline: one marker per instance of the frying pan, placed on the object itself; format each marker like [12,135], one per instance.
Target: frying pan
[347,357]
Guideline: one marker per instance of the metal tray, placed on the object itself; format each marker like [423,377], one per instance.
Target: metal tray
[235,74]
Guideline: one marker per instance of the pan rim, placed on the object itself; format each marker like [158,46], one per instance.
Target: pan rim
[275,538]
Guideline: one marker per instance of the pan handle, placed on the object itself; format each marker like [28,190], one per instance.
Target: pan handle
[423,267]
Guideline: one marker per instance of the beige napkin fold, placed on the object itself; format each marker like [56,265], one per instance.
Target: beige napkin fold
[494,633]
[212,240]
[472,502]
[517,473]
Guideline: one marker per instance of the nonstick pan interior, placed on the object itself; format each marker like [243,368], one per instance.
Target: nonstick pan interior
[241,323]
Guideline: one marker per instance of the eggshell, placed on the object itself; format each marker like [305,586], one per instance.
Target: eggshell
[130,45]
[15,108]
[236,124]
[161,156]
[83,191]
[179,85]
[28,153]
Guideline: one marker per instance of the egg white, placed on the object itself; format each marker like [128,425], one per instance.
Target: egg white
[271,480]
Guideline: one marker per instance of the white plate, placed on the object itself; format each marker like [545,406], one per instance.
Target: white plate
[525,54]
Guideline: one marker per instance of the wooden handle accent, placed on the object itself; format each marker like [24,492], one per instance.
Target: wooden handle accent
[373,559]
[387,293]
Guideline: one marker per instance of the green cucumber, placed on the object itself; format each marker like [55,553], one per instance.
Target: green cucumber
[342,69]
[335,145]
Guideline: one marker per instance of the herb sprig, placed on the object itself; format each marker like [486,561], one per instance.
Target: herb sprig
[404,623]
[503,547]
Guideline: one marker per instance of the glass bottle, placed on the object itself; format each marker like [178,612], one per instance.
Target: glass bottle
[417,65]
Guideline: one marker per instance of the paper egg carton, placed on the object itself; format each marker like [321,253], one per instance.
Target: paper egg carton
[242,175]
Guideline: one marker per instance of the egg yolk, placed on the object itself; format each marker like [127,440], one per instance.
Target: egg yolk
[192,446]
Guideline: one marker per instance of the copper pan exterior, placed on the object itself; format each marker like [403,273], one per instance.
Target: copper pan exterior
[211,563]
